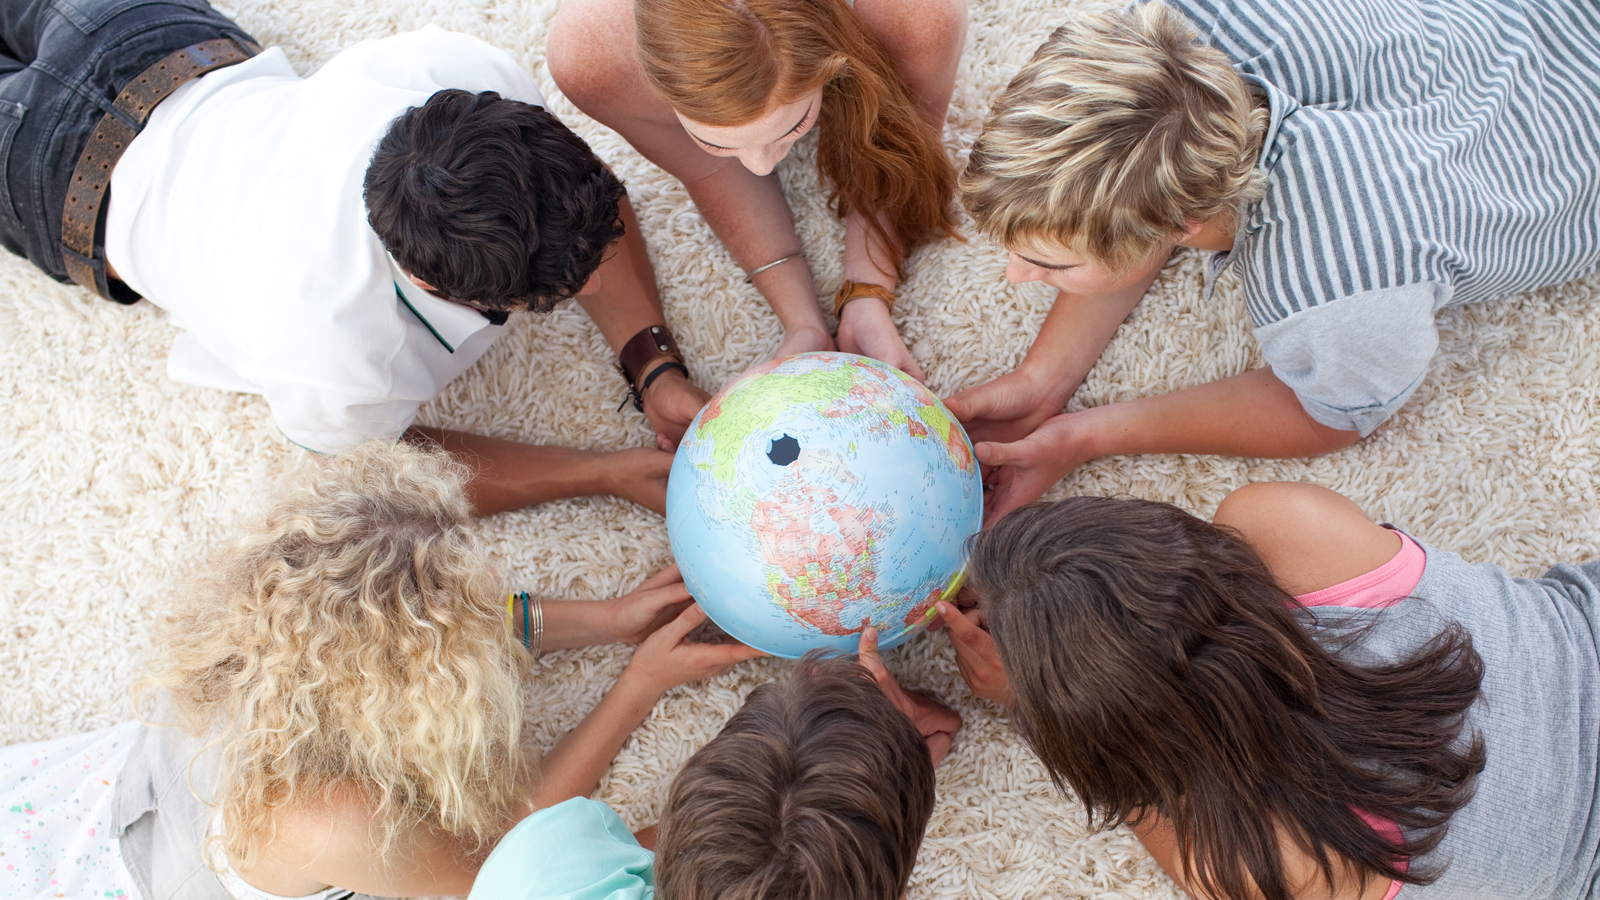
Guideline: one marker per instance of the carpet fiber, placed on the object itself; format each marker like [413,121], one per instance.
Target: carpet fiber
[114,479]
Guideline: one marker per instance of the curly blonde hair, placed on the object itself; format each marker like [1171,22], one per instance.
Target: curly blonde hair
[1120,131]
[353,637]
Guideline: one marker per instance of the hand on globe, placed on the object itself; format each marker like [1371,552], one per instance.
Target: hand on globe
[637,614]
[936,722]
[1025,469]
[668,658]
[638,474]
[819,493]
[976,654]
[805,339]
[670,403]
[866,328]
[1006,409]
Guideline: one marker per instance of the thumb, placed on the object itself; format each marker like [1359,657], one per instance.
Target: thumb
[868,651]
[991,453]
[972,403]
[867,655]
[675,631]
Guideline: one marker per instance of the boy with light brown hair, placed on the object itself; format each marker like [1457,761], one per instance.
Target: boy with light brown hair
[1359,163]
[818,788]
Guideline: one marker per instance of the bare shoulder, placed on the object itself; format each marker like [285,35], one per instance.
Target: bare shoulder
[1309,537]
[1301,870]
[333,840]
[919,34]
[590,50]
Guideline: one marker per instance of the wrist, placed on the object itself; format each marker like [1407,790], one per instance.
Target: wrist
[1086,437]
[577,623]
[862,310]
[638,683]
[648,356]
[1046,383]
[648,386]
[601,474]
[851,293]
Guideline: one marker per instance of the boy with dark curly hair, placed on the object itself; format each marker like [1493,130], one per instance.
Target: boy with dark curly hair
[344,244]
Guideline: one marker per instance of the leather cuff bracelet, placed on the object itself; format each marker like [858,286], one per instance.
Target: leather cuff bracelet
[648,344]
[852,290]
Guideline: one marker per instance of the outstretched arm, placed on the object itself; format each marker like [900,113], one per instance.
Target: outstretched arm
[937,723]
[1252,414]
[627,302]
[509,475]
[923,40]
[1075,333]
[666,659]
[628,619]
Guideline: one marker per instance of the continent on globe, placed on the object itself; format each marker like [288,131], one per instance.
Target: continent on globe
[818,494]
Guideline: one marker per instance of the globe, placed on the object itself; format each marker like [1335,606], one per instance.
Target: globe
[820,493]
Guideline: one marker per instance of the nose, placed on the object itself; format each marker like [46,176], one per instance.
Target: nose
[762,160]
[1019,270]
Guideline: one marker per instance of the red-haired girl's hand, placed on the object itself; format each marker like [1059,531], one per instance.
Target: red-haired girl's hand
[976,654]
[936,722]
[866,328]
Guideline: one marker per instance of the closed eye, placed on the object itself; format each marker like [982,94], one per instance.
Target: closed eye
[798,126]
[1046,266]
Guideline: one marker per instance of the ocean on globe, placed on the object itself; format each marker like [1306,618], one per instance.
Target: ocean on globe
[820,493]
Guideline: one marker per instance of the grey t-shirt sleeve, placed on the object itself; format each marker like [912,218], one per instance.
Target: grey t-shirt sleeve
[1353,362]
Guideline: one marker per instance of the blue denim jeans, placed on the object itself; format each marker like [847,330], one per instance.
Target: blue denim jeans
[62,63]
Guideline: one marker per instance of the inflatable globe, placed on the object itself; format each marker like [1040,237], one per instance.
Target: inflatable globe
[820,493]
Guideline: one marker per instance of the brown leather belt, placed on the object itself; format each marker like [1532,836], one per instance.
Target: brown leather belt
[80,219]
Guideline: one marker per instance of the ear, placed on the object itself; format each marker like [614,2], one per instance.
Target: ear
[1192,227]
[422,284]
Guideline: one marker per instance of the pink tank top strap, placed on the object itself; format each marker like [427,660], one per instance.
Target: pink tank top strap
[1384,586]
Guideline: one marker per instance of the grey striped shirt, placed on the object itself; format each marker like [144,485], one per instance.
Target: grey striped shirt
[1420,153]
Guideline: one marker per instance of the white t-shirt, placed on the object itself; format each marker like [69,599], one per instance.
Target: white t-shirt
[239,211]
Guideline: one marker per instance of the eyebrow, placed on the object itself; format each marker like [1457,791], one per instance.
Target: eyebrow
[796,127]
[1046,265]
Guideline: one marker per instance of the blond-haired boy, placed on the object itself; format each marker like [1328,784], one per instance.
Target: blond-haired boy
[1363,164]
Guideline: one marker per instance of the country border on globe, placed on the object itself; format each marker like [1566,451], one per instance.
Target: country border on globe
[820,493]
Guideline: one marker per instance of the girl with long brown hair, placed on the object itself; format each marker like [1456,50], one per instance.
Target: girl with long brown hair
[1295,702]
[717,91]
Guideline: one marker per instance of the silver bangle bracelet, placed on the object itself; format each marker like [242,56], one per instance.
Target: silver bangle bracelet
[777,262]
[536,631]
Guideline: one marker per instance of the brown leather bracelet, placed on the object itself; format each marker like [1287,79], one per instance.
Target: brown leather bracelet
[648,344]
[852,290]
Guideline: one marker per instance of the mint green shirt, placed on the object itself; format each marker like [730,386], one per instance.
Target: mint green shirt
[576,850]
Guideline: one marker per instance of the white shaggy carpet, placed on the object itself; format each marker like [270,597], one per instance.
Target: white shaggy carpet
[113,478]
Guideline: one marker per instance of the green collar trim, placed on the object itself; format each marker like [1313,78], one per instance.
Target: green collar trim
[421,318]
